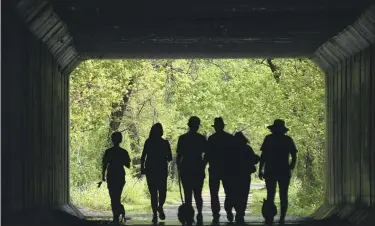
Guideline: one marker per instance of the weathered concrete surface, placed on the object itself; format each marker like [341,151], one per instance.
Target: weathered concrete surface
[37,57]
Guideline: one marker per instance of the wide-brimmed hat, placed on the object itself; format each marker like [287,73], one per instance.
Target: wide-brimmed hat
[278,124]
[218,122]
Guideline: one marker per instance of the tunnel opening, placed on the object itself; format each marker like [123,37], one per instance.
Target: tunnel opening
[45,40]
[131,95]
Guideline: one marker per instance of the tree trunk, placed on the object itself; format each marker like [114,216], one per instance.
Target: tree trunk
[275,70]
[119,110]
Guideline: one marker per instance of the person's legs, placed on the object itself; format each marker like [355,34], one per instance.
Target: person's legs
[197,189]
[112,195]
[283,193]
[115,190]
[162,189]
[186,181]
[271,189]
[242,198]
[152,187]
[229,188]
[214,183]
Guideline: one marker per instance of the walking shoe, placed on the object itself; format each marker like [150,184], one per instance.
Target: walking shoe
[216,218]
[269,221]
[161,213]
[155,219]
[199,219]
[230,216]
[240,219]
[116,219]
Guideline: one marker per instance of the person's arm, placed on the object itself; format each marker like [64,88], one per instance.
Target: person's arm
[169,151]
[143,157]
[293,152]
[263,148]
[179,152]
[204,151]
[254,156]
[207,154]
[127,160]
[104,164]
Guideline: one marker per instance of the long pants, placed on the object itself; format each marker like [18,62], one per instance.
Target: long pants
[193,183]
[236,189]
[157,186]
[230,193]
[214,184]
[283,192]
[242,194]
[115,188]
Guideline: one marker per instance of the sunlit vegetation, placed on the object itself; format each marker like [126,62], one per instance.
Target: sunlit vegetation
[131,95]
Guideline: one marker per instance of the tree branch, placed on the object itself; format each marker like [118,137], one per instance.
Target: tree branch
[226,74]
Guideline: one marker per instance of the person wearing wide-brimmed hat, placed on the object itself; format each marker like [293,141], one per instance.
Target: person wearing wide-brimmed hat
[221,144]
[276,149]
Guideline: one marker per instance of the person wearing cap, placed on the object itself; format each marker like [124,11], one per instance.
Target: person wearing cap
[276,149]
[114,160]
[190,149]
[221,145]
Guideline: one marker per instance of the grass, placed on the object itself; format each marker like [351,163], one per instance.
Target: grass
[294,209]
[136,198]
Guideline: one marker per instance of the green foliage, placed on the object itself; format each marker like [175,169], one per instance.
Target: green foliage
[245,92]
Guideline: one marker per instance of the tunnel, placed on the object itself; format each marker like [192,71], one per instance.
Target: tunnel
[43,41]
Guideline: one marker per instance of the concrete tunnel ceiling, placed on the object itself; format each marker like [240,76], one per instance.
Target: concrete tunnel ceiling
[197,28]
[74,30]
[47,39]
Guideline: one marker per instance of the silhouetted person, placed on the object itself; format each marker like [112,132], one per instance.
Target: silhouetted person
[276,149]
[190,149]
[219,156]
[114,160]
[154,163]
[246,160]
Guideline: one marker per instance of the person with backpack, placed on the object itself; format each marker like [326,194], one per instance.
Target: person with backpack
[276,149]
[114,160]
[246,160]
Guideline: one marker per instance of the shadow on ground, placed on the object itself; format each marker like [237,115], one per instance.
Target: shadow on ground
[58,217]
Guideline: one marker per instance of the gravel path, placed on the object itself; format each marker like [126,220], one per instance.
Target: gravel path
[171,209]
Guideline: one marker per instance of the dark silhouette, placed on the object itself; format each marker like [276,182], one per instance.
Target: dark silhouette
[244,167]
[190,149]
[154,163]
[276,149]
[219,157]
[185,212]
[114,160]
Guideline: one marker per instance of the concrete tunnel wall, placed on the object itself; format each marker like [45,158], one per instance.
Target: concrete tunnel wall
[348,60]
[35,116]
[350,177]
[35,122]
